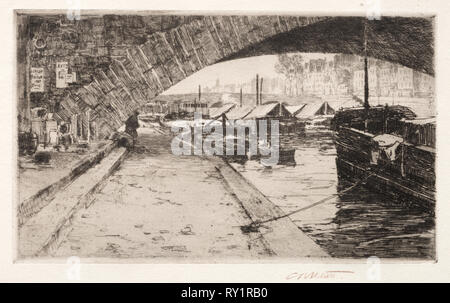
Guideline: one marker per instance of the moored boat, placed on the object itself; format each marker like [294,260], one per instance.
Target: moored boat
[390,149]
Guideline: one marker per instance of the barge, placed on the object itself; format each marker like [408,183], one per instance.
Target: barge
[389,150]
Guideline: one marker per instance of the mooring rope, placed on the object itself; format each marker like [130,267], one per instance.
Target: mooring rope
[257,223]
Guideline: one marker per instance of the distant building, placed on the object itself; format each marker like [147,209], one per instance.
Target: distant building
[405,82]
[423,85]
[342,76]
[344,60]
[358,82]
[385,80]
[373,80]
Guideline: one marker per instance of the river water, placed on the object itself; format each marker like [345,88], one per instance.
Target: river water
[358,223]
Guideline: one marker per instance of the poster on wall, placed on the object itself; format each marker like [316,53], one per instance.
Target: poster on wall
[71,77]
[61,72]
[37,79]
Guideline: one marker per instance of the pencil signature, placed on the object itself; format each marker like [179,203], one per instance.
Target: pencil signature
[311,275]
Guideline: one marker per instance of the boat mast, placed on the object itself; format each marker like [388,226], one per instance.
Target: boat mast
[257,89]
[240,97]
[199,98]
[366,80]
[260,91]
[366,73]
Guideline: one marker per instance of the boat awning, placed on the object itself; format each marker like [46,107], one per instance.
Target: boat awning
[310,110]
[295,109]
[217,112]
[261,111]
[239,112]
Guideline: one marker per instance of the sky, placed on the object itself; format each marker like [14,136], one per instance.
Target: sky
[234,71]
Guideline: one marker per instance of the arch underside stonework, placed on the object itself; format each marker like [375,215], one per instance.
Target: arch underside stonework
[168,57]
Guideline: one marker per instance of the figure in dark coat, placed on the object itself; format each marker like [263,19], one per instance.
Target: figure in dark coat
[131,126]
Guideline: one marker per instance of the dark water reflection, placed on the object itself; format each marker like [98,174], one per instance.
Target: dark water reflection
[358,223]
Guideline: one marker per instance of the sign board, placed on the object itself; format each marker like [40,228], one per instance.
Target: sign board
[71,77]
[37,79]
[61,72]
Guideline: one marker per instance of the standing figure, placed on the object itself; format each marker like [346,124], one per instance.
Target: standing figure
[131,125]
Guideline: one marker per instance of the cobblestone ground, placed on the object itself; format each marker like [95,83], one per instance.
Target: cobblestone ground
[159,206]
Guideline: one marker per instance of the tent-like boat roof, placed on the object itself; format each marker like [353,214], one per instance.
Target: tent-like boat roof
[294,109]
[217,112]
[239,112]
[261,111]
[309,110]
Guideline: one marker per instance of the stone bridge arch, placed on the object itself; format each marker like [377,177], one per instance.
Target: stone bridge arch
[170,56]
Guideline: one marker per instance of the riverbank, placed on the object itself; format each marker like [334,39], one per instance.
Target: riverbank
[38,184]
